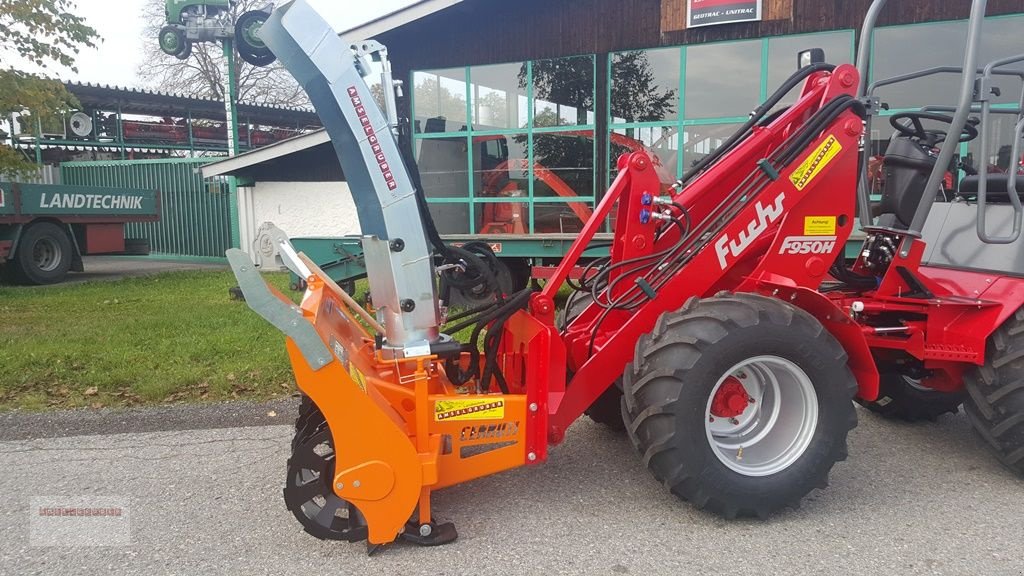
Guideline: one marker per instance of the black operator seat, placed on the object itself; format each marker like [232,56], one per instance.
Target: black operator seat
[907,166]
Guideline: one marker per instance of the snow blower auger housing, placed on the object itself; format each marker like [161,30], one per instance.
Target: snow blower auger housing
[726,331]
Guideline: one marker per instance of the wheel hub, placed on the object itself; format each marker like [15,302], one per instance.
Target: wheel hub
[731,400]
[46,255]
[761,416]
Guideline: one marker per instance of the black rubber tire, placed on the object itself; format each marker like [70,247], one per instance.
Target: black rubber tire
[677,366]
[25,268]
[606,410]
[900,399]
[258,56]
[179,36]
[995,394]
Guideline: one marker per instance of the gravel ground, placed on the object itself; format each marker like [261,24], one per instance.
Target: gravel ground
[912,499]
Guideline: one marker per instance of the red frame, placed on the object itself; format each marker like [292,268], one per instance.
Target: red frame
[772,247]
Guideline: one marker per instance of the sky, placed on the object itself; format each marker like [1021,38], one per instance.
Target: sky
[117,58]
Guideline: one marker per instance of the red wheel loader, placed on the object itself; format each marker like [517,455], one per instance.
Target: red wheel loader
[726,331]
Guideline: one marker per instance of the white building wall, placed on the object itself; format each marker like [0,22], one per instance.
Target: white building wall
[306,208]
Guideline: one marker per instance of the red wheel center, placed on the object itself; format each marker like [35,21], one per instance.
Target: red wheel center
[731,400]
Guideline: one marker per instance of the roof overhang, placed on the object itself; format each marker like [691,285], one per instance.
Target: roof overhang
[283,148]
[397,19]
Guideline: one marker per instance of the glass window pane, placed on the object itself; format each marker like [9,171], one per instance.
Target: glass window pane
[723,79]
[661,143]
[942,44]
[904,49]
[645,85]
[450,218]
[500,166]
[1001,38]
[444,167]
[1000,144]
[561,218]
[499,97]
[563,164]
[699,141]
[501,171]
[782,54]
[440,100]
[563,91]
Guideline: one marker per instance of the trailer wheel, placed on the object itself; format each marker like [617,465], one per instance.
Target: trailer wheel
[995,394]
[740,404]
[44,254]
[902,397]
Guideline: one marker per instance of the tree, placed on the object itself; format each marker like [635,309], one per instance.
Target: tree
[564,96]
[438,103]
[636,96]
[202,75]
[45,34]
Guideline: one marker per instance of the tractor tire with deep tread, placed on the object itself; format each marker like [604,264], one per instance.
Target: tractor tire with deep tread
[901,398]
[44,255]
[682,365]
[995,394]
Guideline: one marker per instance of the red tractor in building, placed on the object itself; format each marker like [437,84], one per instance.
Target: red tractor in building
[726,332]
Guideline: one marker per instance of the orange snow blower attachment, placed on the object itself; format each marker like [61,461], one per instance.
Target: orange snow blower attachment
[399,428]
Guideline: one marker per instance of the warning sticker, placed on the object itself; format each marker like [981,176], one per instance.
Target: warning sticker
[357,377]
[819,226]
[453,410]
[815,162]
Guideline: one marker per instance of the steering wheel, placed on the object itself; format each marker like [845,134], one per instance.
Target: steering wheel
[909,124]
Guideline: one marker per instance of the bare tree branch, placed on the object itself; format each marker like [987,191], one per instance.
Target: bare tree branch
[202,74]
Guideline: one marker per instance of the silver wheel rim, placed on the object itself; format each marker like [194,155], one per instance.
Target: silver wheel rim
[46,255]
[778,423]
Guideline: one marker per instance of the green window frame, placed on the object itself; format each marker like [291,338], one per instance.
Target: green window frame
[883,116]
[683,122]
[530,130]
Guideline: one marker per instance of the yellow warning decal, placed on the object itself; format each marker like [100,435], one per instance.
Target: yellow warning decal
[453,410]
[815,162]
[357,377]
[819,226]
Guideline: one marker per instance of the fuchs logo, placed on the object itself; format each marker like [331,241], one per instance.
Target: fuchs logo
[766,215]
[808,245]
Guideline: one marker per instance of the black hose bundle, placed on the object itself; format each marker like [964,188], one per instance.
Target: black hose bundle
[475,262]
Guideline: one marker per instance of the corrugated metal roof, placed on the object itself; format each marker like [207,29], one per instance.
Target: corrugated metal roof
[156,103]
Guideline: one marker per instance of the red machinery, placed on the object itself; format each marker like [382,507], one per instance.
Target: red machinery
[177,132]
[726,332]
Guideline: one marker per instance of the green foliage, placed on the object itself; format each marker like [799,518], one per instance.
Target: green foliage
[637,96]
[45,34]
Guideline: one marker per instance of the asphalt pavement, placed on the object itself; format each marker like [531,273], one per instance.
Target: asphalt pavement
[912,499]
